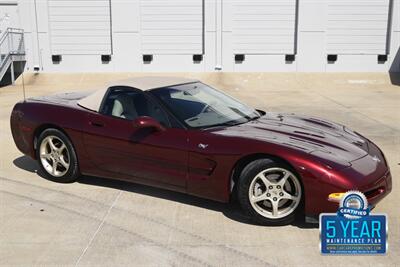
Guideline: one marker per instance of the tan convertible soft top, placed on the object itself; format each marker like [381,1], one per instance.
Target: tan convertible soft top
[93,101]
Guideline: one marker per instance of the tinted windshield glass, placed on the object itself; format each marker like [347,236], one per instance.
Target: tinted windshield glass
[199,105]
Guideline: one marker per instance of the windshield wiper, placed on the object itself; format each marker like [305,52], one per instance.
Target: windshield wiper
[248,118]
[254,118]
[228,123]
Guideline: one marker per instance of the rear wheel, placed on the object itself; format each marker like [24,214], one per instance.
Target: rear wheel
[270,192]
[57,157]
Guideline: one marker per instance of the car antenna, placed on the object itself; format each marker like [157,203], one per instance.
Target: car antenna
[23,83]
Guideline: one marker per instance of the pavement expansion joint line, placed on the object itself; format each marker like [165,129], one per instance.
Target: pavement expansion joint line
[98,228]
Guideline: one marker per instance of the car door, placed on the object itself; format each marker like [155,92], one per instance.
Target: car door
[115,146]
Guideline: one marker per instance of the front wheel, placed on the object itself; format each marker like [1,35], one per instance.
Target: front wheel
[269,192]
[57,157]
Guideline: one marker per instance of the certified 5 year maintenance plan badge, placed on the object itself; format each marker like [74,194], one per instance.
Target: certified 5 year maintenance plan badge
[353,230]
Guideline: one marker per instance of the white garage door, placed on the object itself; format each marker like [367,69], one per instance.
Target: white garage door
[80,27]
[357,27]
[172,27]
[264,26]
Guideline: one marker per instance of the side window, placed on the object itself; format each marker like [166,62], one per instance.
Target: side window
[129,104]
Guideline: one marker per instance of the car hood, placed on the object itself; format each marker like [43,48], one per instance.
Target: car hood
[316,136]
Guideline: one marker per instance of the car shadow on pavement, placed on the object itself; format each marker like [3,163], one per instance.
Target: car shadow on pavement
[395,78]
[230,210]
[394,70]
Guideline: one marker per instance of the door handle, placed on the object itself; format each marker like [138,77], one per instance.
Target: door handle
[96,124]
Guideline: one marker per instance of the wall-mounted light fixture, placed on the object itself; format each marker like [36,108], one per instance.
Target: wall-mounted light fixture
[382,58]
[239,58]
[105,59]
[197,58]
[56,59]
[290,58]
[332,58]
[147,58]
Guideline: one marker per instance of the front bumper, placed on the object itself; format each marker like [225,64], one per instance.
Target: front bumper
[374,193]
[378,179]
[379,190]
[369,175]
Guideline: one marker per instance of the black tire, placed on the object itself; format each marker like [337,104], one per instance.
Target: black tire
[72,172]
[246,177]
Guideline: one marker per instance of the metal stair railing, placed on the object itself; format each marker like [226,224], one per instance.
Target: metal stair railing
[12,48]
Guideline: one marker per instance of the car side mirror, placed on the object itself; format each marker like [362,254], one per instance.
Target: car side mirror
[148,122]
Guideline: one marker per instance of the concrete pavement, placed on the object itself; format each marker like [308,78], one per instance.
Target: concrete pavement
[98,222]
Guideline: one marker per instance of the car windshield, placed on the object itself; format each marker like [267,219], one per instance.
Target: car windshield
[200,106]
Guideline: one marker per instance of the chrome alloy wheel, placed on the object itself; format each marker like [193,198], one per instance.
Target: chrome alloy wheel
[275,193]
[54,156]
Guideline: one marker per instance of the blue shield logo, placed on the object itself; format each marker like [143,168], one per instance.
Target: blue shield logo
[353,230]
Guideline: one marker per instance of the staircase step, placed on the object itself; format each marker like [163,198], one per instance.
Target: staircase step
[15,56]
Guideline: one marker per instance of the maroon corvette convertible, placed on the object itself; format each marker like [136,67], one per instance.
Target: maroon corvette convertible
[183,135]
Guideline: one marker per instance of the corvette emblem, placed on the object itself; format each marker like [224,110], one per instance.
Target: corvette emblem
[203,146]
[375,158]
